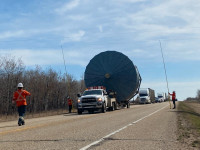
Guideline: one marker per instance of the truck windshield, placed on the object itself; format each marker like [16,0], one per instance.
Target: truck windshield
[141,94]
[92,92]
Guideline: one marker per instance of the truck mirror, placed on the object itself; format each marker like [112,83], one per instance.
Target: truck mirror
[78,95]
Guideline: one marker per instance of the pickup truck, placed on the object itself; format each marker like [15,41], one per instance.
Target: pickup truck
[95,99]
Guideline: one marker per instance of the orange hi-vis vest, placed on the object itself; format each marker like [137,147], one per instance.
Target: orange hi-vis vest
[173,96]
[69,101]
[20,97]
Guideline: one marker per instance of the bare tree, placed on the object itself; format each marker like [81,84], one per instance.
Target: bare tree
[10,73]
[48,88]
[198,95]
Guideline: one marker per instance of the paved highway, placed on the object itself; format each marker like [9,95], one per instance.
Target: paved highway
[142,127]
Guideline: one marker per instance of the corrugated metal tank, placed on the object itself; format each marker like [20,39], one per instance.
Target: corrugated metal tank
[116,72]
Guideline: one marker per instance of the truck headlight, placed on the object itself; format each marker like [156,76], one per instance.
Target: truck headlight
[79,101]
[99,100]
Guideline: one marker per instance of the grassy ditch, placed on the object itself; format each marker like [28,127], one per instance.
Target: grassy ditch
[189,123]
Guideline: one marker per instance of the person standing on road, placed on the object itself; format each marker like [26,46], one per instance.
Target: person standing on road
[69,101]
[19,97]
[173,98]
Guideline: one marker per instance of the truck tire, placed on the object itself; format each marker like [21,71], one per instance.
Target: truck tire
[128,105]
[79,112]
[103,109]
[113,106]
[116,106]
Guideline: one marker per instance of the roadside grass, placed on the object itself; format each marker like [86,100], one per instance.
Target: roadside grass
[189,124]
[14,116]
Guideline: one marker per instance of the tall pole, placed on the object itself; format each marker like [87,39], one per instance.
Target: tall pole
[165,71]
[68,84]
[64,60]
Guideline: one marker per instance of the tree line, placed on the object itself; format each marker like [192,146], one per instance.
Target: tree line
[49,89]
[197,98]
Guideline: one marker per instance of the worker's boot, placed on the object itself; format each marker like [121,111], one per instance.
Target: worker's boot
[21,121]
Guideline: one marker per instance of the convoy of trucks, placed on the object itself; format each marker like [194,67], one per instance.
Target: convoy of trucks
[112,80]
[146,96]
[161,97]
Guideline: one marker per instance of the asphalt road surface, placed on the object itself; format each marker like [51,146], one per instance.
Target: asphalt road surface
[141,127]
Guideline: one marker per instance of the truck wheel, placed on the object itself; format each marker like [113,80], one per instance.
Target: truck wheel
[116,106]
[103,109]
[128,105]
[113,107]
[79,112]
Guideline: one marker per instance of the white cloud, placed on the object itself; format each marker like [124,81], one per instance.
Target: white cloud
[10,34]
[100,28]
[174,16]
[77,17]
[27,32]
[68,6]
[128,1]
[74,37]
[49,57]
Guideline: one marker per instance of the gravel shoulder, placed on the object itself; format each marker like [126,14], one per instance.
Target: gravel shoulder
[189,124]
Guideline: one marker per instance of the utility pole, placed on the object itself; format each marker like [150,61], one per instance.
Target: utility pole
[165,72]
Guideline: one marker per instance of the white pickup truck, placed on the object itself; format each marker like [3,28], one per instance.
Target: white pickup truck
[96,98]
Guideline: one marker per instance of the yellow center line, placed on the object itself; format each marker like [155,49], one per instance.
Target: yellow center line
[45,125]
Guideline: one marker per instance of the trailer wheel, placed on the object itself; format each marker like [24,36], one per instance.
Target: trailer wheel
[103,109]
[113,106]
[128,105]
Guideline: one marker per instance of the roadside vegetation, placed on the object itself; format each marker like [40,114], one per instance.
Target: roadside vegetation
[189,121]
[48,88]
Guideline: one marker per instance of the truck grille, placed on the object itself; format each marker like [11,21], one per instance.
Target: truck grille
[88,100]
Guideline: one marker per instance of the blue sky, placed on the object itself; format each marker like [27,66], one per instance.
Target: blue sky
[35,30]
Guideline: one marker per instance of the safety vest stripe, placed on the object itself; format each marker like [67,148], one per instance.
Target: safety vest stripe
[20,97]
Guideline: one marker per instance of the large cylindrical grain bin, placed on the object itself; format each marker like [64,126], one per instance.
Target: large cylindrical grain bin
[116,72]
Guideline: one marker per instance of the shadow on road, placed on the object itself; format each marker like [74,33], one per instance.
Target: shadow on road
[47,140]
[9,126]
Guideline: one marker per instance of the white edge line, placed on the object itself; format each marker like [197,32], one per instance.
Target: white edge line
[103,138]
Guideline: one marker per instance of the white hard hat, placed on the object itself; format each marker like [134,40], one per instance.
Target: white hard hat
[20,85]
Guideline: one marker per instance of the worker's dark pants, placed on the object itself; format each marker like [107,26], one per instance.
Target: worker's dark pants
[70,108]
[22,110]
[174,103]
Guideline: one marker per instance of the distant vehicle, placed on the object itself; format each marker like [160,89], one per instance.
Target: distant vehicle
[156,99]
[161,97]
[146,96]
[165,97]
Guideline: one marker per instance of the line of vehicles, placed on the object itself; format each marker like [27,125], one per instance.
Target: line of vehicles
[147,96]
[112,80]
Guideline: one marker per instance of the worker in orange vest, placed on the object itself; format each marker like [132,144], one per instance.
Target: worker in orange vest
[173,98]
[19,97]
[70,101]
